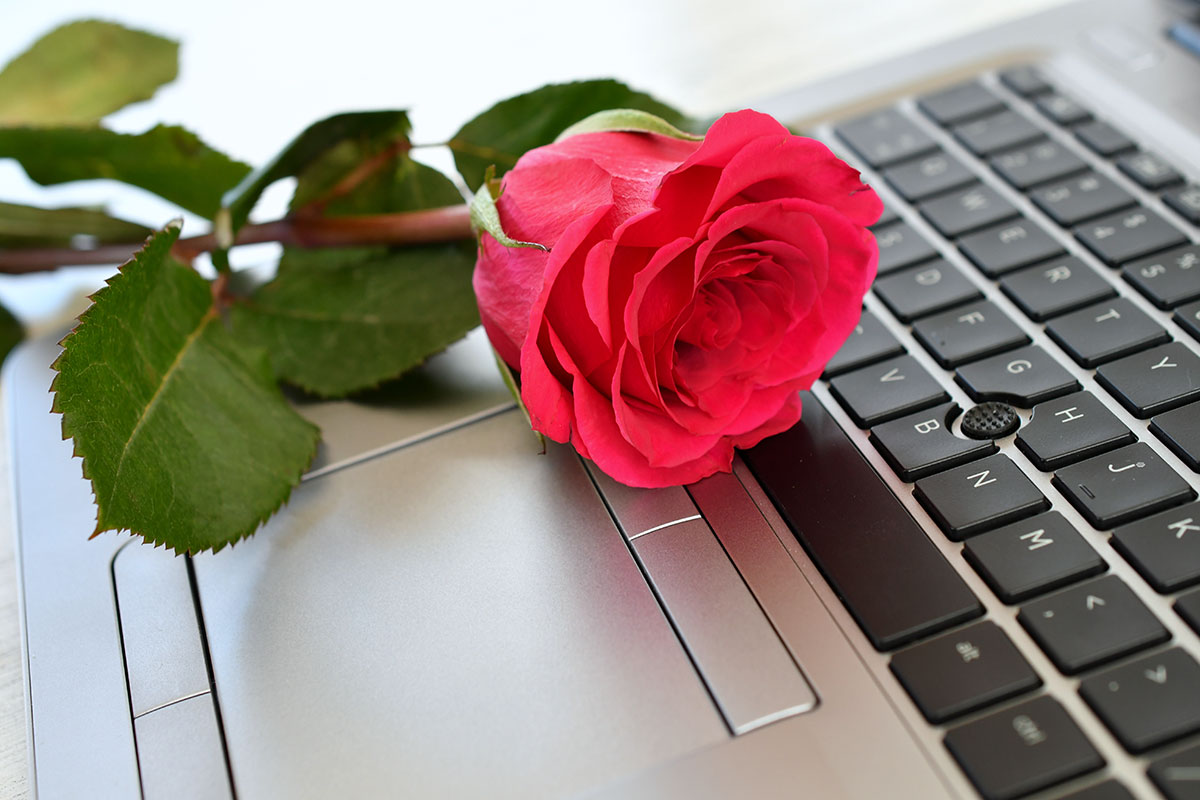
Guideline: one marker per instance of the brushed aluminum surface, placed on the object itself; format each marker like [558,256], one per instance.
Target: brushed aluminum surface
[164,654]
[459,617]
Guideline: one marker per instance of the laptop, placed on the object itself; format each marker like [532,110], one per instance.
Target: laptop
[970,571]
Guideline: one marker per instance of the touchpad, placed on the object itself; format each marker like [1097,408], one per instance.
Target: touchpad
[457,617]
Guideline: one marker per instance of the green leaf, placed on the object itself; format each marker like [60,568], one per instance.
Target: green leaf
[169,161]
[396,183]
[505,131]
[337,322]
[626,119]
[341,320]
[486,219]
[83,71]
[316,140]
[28,226]
[11,332]
[184,435]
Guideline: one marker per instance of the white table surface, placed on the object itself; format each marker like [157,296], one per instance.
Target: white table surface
[254,74]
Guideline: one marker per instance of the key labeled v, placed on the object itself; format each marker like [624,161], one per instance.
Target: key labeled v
[891,375]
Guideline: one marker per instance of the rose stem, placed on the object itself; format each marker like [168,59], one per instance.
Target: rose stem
[447,224]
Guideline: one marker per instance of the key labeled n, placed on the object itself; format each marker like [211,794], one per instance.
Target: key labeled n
[982,478]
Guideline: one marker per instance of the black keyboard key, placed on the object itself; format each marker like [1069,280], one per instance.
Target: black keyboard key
[925,289]
[1178,775]
[1148,702]
[1106,331]
[1056,287]
[967,210]
[922,444]
[868,343]
[979,496]
[1031,557]
[1025,81]
[1123,485]
[1037,163]
[1010,246]
[901,246]
[1062,109]
[1091,623]
[1021,749]
[1154,380]
[1002,131]
[885,137]
[1168,279]
[1180,431]
[1103,139]
[1074,200]
[1149,170]
[1188,318]
[888,390]
[1128,234]
[960,103]
[924,177]
[888,216]
[1164,548]
[1069,429]
[1109,790]
[891,577]
[1023,378]
[1185,201]
[1188,607]
[968,333]
[963,671]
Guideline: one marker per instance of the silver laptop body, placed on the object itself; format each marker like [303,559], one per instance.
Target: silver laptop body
[445,610]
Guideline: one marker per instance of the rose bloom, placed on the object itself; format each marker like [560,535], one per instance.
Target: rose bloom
[692,289]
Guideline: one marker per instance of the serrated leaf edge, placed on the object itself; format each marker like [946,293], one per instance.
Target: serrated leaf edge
[171,229]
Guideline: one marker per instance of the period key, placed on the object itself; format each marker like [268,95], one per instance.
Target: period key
[1150,701]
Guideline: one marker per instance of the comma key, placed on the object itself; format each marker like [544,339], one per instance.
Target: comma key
[1091,623]
[1022,377]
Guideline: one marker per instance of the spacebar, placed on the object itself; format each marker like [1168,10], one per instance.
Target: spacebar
[885,569]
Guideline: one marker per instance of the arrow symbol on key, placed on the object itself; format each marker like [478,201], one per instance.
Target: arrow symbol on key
[1093,601]
[1158,675]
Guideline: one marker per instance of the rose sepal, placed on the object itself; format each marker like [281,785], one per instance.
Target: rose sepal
[510,383]
[629,120]
[486,219]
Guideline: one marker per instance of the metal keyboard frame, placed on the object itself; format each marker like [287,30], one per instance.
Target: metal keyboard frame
[1098,95]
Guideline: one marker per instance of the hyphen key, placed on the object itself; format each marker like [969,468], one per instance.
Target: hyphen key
[879,561]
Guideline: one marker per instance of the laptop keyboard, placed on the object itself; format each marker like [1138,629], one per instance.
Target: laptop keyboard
[1038,265]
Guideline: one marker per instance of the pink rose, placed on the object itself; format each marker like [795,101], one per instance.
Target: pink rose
[691,289]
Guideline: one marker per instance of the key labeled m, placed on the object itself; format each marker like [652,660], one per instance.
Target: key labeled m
[1037,539]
